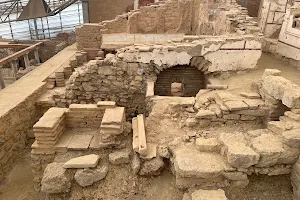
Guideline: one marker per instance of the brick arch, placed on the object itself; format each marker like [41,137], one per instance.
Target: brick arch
[191,77]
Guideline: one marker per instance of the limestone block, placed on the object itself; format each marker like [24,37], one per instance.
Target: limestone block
[191,122]
[235,176]
[250,95]
[231,117]
[292,116]
[233,45]
[216,109]
[258,132]
[236,105]
[135,135]
[151,151]
[152,167]
[232,60]
[55,179]
[209,195]
[86,177]
[142,135]
[253,44]
[256,113]
[80,142]
[276,126]
[271,72]
[208,145]
[269,147]
[106,104]
[88,161]
[237,153]
[205,114]
[119,157]
[254,103]
[189,162]
[136,163]
[292,138]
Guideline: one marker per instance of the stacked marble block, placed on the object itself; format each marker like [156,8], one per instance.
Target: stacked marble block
[112,126]
[49,128]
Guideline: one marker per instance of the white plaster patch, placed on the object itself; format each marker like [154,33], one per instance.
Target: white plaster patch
[170,58]
[228,60]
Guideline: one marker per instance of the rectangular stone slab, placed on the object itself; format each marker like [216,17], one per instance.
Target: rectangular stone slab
[113,115]
[135,135]
[83,162]
[80,142]
[142,135]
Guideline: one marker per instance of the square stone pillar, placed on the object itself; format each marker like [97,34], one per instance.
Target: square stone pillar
[2,85]
[36,55]
[26,60]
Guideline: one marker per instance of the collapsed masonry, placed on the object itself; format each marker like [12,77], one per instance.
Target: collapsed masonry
[81,144]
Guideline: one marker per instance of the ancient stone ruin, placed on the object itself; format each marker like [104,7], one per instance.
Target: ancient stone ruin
[174,100]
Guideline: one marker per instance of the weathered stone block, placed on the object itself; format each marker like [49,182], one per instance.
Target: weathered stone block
[86,177]
[55,179]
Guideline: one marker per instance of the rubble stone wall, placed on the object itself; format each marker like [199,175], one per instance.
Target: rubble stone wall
[88,115]
[13,131]
[188,17]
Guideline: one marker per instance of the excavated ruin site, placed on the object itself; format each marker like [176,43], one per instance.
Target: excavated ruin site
[173,100]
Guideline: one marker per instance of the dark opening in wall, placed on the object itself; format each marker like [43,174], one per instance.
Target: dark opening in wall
[183,81]
[296,22]
[278,110]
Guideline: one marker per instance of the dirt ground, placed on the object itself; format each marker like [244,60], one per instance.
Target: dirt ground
[121,184]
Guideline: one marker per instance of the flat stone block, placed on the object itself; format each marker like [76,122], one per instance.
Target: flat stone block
[189,162]
[64,141]
[113,115]
[80,142]
[208,145]
[106,104]
[250,95]
[292,138]
[270,147]
[151,151]
[236,105]
[119,157]
[205,114]
[88,161]
[209,195]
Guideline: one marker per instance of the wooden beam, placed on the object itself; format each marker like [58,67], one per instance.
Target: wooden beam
[18,54]
[13,46]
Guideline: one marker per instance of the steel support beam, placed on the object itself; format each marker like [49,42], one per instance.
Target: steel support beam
[85,11]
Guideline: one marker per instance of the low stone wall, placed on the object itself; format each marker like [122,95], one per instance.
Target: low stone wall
[14,127]
[187,17]
[123,77]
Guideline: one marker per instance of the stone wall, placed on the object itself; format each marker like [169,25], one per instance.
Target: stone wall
[188,17]
[271,16]
[84,116]
[15,124]
[123,77]
[100,10]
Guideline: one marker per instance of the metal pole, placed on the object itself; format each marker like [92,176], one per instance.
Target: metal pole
[36,29]
[29,29]
[78,12]
[11,32]
[85,11]
[43,28]
[61,26]
[244,3]
[48,28]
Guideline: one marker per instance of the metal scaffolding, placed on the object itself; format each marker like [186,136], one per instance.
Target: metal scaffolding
[58,16]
